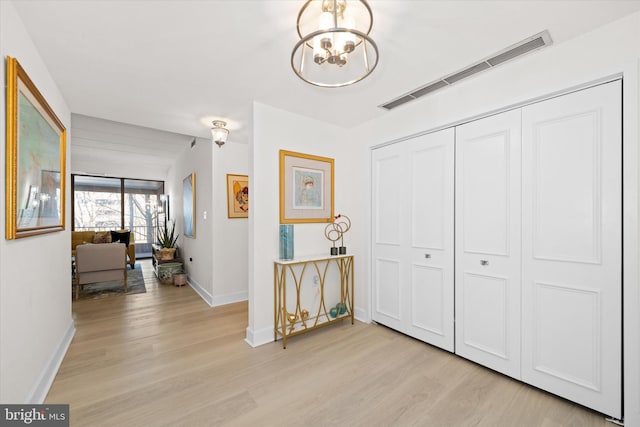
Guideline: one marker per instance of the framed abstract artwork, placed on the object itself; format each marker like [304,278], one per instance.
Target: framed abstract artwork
[237,196]
[189,205]
[35,159]
[306,188]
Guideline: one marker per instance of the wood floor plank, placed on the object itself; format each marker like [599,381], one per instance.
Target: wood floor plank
[165,358]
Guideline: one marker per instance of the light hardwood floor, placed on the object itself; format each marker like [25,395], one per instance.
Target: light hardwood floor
[165,358]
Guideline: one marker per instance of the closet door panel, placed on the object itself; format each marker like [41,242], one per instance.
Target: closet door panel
[428,288]
[429,207]
[486,196]
[430,240]
[557,325]
[387,289]
[487,250]
[572,241]
[566,200]
[486,330]
[389,204]
[388,171]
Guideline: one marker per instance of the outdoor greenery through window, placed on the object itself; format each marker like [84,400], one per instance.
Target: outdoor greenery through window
[103,204]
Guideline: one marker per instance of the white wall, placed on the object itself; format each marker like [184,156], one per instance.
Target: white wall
[35,272]
[196,252]
[613,49]
[110,160]
[215,259]
[273,130]
[230,235]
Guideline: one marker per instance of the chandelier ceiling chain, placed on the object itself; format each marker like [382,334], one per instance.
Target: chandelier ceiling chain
[335,48]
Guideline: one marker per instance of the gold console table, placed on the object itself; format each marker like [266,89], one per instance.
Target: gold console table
[310,293]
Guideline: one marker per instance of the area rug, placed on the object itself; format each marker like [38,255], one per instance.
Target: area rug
[135,285]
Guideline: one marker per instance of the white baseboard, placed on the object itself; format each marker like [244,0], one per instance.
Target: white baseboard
[206,296]
[43,384]
[230,298]
[260,337]
[361,315]
[218,300]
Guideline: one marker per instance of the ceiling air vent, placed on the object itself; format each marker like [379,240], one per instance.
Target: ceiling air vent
[525,46]
[467,72]
[520,49]
[397,102]
[429,88]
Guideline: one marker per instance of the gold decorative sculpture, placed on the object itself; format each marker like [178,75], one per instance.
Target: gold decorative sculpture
[335,231]
[332,233]
[292,318]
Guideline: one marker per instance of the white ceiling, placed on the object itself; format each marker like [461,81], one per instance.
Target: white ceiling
[176,65]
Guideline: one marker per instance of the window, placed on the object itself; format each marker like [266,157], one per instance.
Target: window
[102,204]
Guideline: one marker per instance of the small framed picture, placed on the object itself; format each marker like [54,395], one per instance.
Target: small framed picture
[237,196]
[306,188]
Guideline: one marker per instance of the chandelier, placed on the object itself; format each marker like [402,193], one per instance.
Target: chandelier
[219,133]
[335,48]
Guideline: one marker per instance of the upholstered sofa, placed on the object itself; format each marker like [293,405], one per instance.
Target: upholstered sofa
[100,263]
[81,237]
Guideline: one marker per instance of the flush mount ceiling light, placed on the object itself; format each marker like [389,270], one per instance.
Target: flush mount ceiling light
[219,133]
[335,49]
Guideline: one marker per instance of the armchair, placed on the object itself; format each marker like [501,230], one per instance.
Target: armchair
[100,263]
[81,237]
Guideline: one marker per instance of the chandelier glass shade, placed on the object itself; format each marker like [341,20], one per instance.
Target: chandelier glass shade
[219,133]
[335,48]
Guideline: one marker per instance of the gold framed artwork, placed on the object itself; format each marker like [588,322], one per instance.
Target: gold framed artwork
[237,196]
[35,159]
[189,205]
[306,188]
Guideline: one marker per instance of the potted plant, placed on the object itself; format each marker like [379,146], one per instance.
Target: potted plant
[167,241]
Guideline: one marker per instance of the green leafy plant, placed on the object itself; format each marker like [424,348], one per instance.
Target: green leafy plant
[166,238]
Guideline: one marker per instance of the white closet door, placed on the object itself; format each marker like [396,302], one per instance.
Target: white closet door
[572,247]
[488,242]
[390,191]
[430,240]
[413,247]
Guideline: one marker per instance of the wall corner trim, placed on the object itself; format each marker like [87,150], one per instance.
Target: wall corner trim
[362,315]
[260,337]
[206,296]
